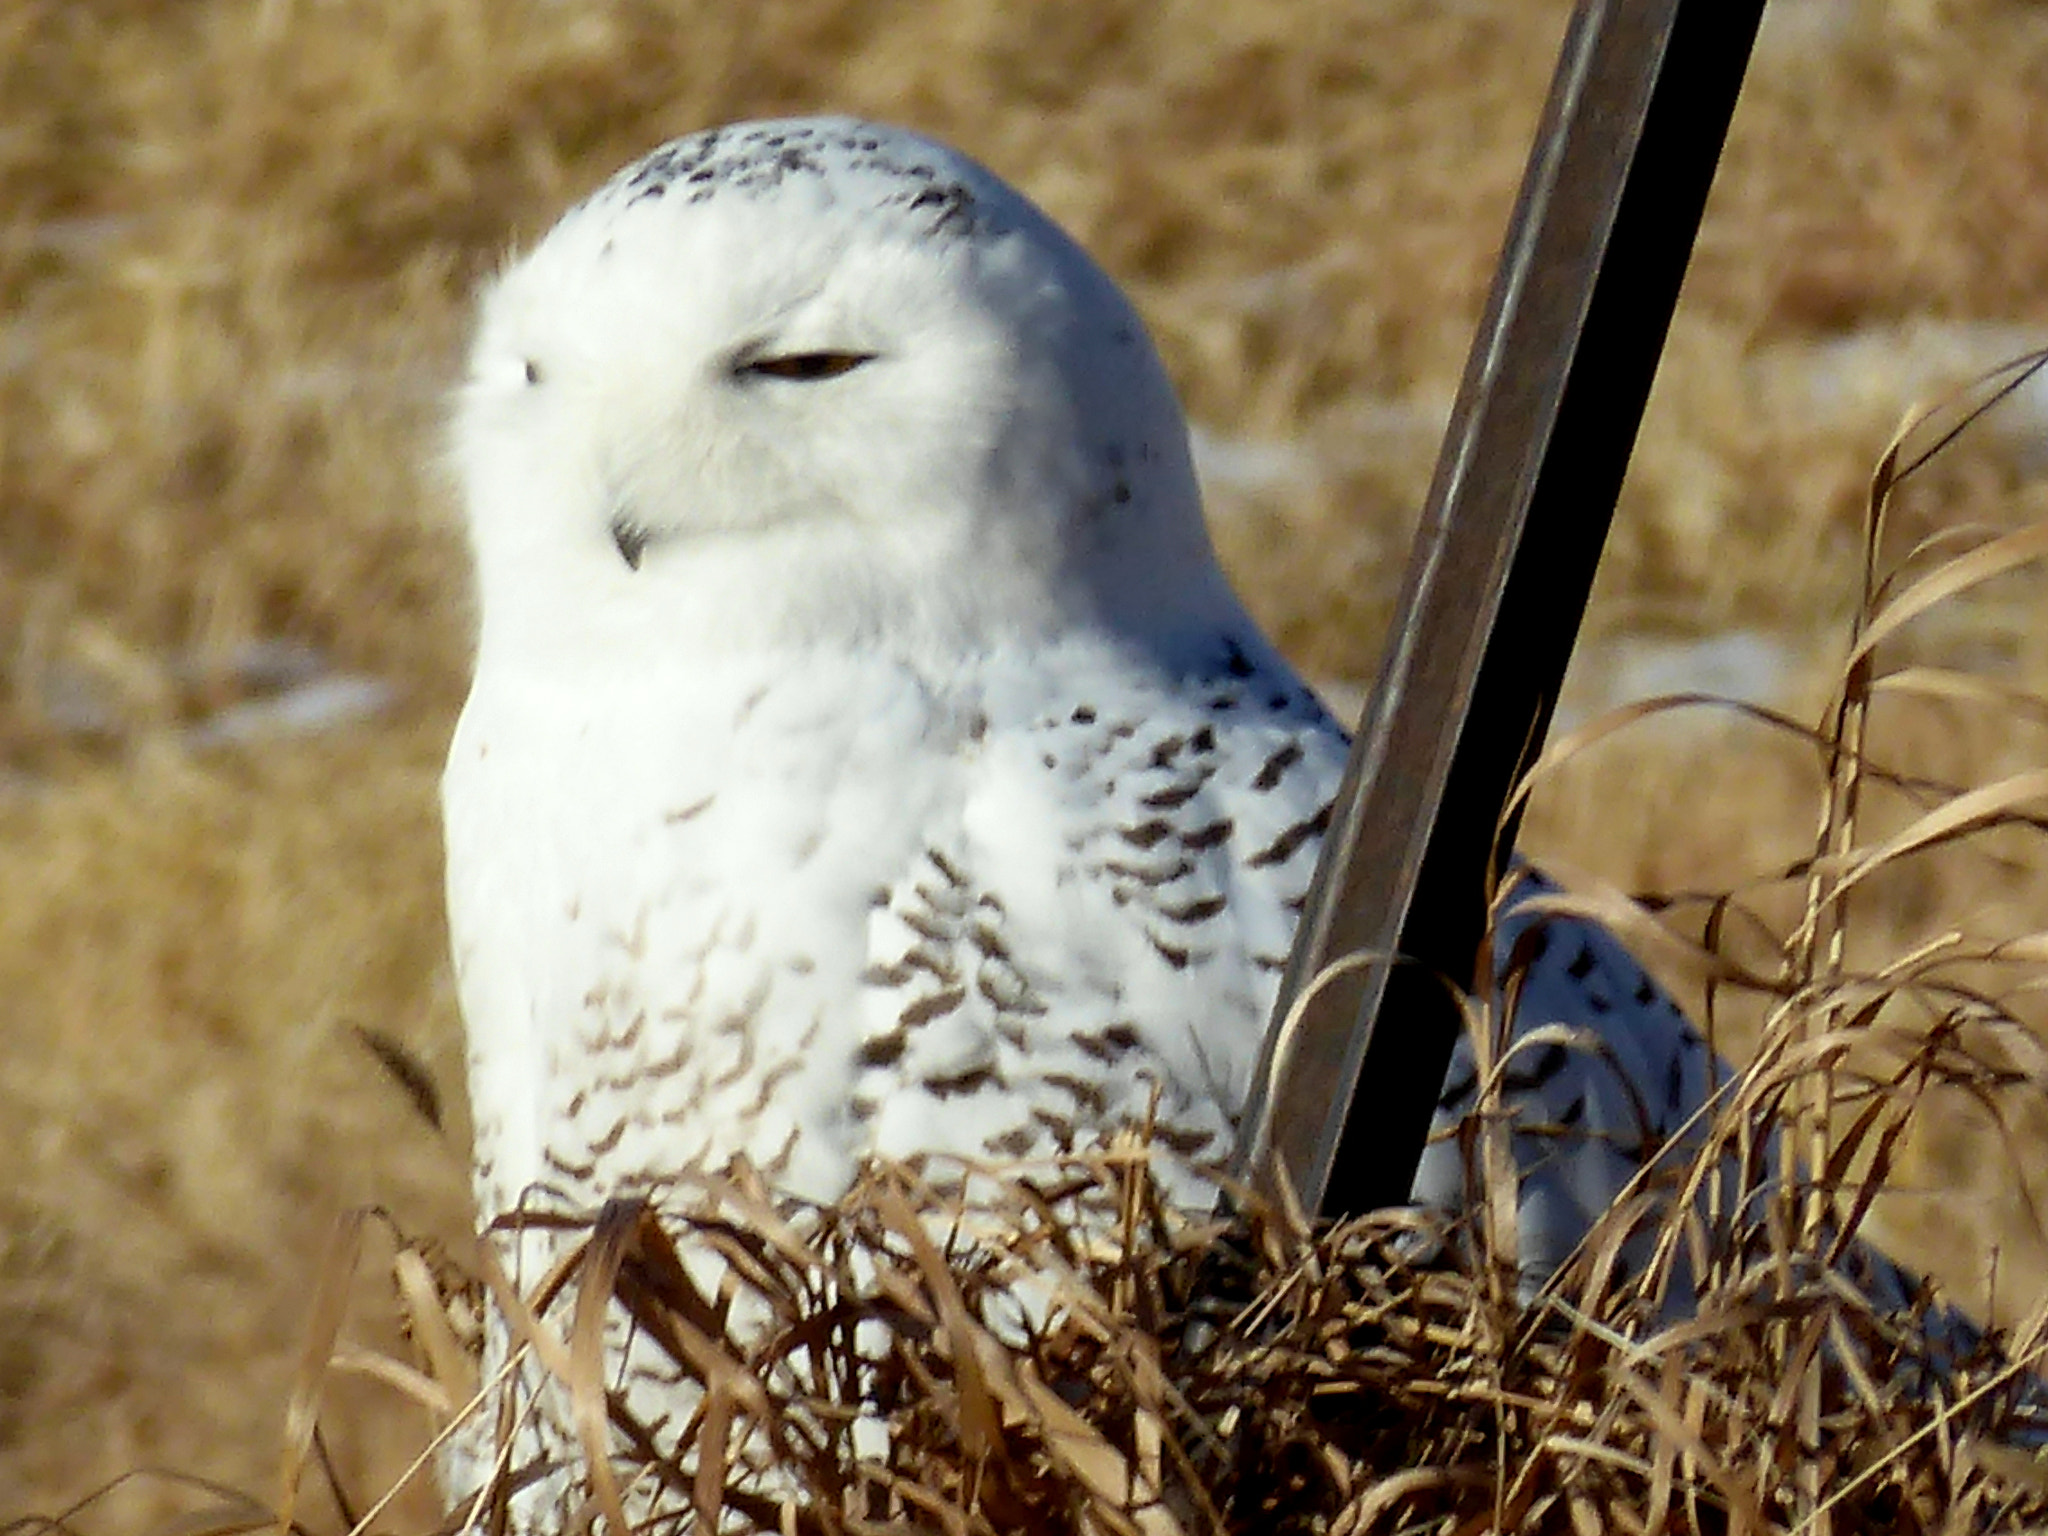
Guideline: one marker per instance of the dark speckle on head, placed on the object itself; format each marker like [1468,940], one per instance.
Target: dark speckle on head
[755,162]
[952,205]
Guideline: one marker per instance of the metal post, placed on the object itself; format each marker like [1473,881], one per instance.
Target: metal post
[1525,486]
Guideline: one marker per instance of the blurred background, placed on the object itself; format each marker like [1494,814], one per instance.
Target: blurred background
[238,245]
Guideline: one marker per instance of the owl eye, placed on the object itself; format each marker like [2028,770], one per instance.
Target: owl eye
[807,367]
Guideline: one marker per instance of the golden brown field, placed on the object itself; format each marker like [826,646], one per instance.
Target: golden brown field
[237,240]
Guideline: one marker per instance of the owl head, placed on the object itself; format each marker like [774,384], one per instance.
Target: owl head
[820,381]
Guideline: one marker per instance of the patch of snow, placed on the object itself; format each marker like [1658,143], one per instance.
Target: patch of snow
[1798,29]
[1891,368]
[1245,466]
[1608,672]
[322,704]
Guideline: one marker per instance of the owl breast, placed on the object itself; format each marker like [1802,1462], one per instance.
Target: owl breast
[832,906]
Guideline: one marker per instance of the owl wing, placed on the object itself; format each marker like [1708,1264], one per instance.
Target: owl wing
[1095,939]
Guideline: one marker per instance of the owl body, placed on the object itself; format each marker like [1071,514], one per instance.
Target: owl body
[805,906]
[865,752]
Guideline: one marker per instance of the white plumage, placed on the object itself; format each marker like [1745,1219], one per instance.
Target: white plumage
[866,753]
[872,761]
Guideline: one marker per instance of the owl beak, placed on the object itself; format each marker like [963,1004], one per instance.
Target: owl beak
[631,540]
[633,535]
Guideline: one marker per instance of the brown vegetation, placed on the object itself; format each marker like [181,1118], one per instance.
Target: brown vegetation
[237,240]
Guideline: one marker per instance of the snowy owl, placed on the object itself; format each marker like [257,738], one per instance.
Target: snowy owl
[866,753]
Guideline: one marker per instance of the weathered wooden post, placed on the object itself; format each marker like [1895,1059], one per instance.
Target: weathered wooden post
[1524,490]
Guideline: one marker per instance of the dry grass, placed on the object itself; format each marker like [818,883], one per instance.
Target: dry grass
[1059,1349]
[235,252]
[1068,1354]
